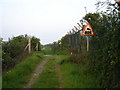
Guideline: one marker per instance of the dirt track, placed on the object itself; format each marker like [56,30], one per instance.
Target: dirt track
[37,72]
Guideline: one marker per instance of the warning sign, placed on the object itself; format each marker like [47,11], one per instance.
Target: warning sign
[87,31]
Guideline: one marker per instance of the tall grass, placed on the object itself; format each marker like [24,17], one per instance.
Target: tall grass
[20,75]
[76,75]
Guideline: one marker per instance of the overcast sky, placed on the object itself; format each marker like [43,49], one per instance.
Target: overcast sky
[48,20]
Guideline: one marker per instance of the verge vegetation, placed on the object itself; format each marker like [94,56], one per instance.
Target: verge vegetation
[21,73]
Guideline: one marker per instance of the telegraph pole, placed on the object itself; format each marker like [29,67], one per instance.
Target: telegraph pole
[85,9]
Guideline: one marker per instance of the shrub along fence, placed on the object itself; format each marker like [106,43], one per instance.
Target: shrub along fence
[14,51]
[103,57]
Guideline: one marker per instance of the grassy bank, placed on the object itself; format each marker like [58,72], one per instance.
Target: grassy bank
[76,75]
[72,75]
[20,75]
[48,78]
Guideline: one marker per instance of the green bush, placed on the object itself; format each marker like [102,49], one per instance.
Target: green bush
[102,59]
[103,56]
[15,47]
[7,61]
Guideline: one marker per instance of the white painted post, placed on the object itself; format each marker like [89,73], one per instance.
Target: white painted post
[28,45]
[29,42]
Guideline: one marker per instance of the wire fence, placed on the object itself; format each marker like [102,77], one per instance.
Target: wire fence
[75,42]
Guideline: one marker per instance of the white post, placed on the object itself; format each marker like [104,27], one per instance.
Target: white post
[28,45]
[29,42]
[87,43]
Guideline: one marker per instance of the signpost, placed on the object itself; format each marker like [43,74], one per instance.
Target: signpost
[87,31]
